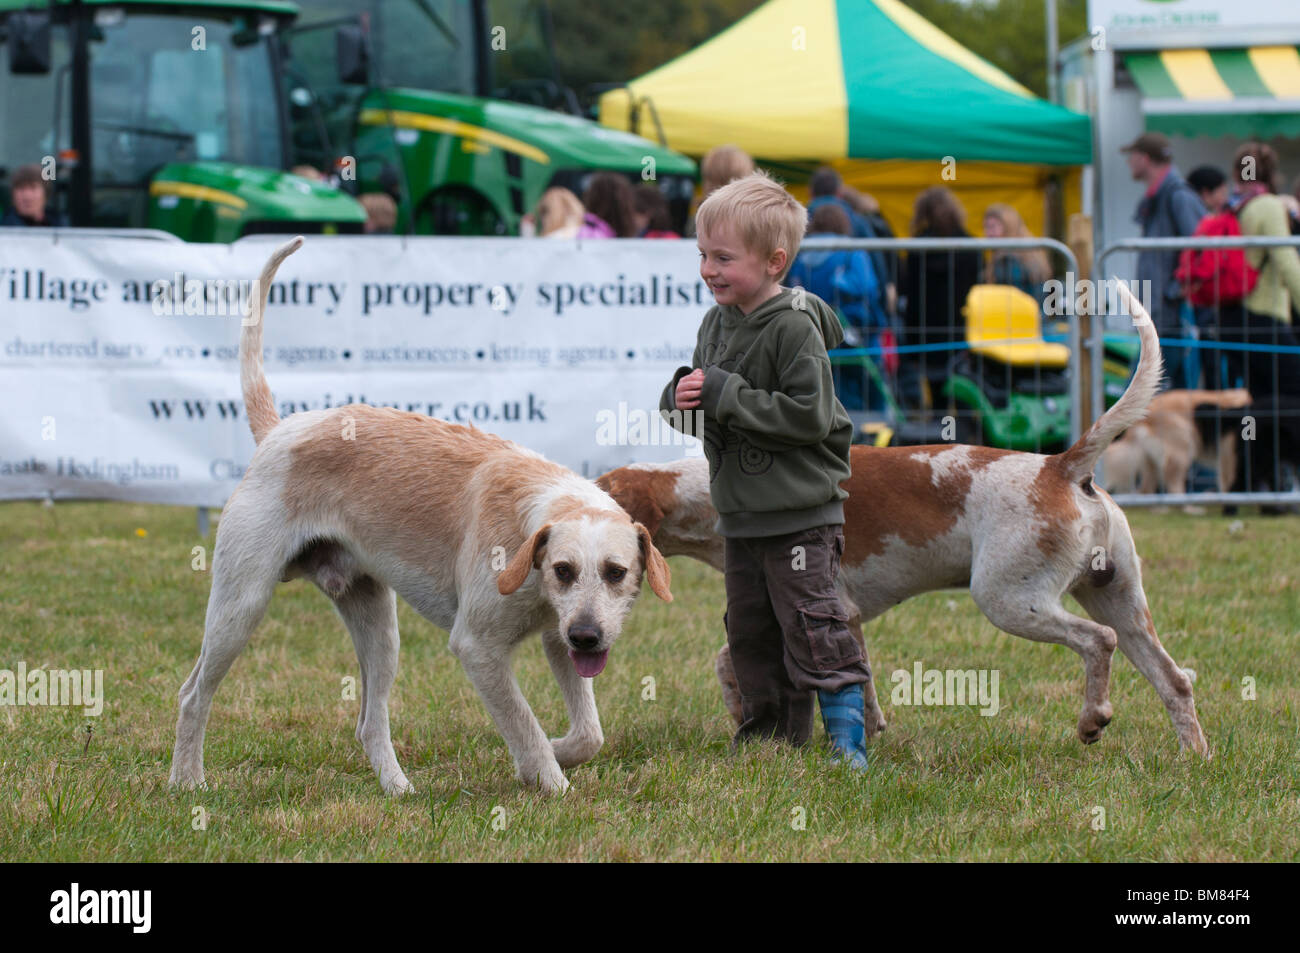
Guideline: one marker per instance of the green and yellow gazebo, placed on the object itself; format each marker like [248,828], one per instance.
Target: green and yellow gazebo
[868,86]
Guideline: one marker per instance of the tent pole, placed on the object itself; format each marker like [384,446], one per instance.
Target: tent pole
[1052,53]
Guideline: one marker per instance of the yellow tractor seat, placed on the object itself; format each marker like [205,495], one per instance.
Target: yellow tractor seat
[1005,324]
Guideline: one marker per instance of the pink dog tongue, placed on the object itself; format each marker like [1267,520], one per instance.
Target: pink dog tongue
[589,664]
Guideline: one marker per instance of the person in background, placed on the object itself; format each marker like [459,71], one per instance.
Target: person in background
[1292,203]
[1211,186]
[868,207]
[826,188]
[559,214]
[1027,268]
[1214,279]
[309,172]
[381,213]
[650,212]
[934,289]
[846,281]
[1168,209]
[610,199]
[31,197]
[720,165]
[1266,316]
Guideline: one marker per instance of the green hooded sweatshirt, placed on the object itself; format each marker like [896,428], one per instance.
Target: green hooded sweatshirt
[776,437]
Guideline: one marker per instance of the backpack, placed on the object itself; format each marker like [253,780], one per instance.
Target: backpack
[1216,275]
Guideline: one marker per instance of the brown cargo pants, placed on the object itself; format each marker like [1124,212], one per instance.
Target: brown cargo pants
[787,630]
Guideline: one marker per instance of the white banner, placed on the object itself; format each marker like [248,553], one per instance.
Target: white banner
[119,368]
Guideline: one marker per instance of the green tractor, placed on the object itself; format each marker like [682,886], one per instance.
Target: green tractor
[455,109]
[1009,388]
[159,114]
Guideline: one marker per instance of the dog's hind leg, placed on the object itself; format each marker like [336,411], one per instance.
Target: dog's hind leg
[243,581]
[874,717]
[1034,612]
[584,737]
[369,609]
[1122,605]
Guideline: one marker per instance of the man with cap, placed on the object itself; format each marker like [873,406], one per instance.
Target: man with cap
[1170,208]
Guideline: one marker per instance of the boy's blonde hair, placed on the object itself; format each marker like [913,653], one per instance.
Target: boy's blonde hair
[763,213]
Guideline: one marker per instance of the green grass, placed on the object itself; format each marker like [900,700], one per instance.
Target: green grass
[79,587]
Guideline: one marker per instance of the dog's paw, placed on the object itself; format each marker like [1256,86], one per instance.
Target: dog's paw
[180,781]
[573,750]
[1093,722]
[1192,740]
[874,720]
[547,778]
[396,785]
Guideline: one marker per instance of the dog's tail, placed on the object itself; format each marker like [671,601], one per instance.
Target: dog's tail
[258,404]
[1080,459]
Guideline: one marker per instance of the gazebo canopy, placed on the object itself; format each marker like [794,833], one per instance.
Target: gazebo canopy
[816,80]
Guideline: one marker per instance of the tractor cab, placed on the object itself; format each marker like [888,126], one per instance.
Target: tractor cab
[158,115]
[456,110]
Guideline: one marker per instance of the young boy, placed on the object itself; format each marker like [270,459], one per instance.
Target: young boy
[777,441]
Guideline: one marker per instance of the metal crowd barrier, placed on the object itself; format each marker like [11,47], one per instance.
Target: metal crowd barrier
[935,361]
[66,232]
[1276,398]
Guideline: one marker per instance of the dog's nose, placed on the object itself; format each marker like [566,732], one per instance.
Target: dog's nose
[584,638]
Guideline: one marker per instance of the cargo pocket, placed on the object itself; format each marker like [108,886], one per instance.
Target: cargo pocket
[825,626]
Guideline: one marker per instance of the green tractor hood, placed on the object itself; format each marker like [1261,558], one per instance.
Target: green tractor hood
[220,201]
[543,135]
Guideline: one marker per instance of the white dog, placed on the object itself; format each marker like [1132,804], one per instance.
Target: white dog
[366,502]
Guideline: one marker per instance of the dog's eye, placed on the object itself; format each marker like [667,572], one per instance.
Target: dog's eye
[615,573]
[564,573]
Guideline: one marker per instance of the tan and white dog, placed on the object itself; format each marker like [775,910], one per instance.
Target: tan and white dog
[1160,449]
[1019,529]
[369,503]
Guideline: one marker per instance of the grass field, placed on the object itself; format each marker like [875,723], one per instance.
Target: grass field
[110,586]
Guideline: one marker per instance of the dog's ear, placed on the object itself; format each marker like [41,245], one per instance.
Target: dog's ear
[523,562]
[656,567]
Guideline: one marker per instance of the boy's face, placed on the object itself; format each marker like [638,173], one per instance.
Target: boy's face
[735,274]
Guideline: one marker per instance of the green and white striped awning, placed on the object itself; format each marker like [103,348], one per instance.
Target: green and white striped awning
[1241,92]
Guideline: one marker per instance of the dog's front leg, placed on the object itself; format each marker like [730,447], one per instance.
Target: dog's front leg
[488,667]
[585,737]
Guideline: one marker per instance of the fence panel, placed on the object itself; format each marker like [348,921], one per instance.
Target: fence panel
[1245,441]
[949,365]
